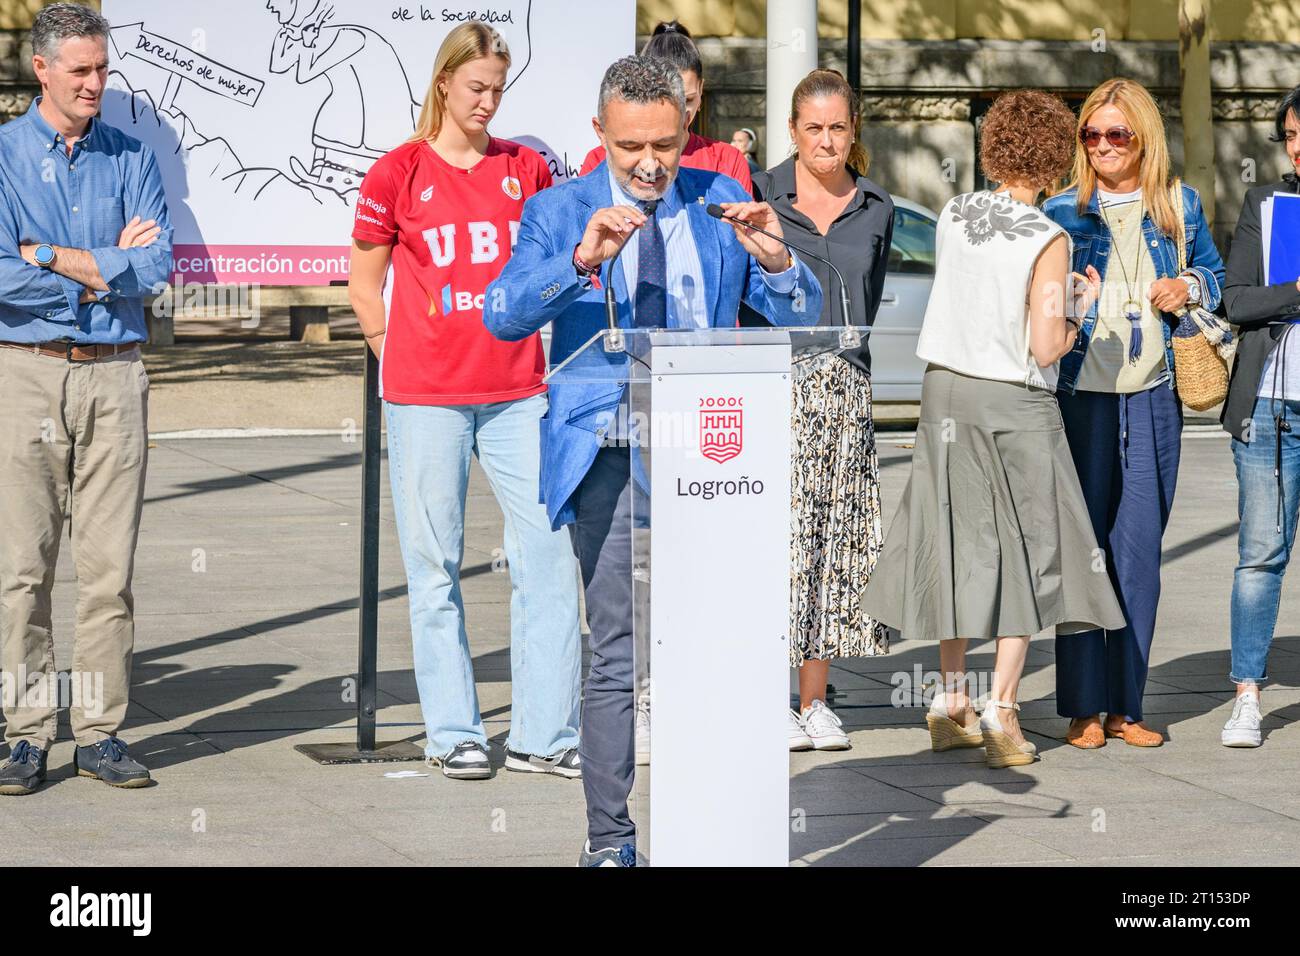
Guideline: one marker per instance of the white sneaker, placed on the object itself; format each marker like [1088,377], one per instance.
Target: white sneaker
[799,739]
[643,730]
[467,761]
[824,728]
[1242,728]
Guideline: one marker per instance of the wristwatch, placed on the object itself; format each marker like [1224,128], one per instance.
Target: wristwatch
[1193,289]
[44,255]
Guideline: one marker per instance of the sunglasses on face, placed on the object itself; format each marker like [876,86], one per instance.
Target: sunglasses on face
[1117,136]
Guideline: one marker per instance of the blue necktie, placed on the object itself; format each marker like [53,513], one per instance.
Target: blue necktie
[651,277]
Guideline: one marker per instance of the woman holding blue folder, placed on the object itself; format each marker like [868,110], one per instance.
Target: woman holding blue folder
[1262,414]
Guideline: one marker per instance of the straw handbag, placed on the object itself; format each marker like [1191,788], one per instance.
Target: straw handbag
[1203,343]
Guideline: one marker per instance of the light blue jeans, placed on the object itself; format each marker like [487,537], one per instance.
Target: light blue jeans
[429,449]
[1263,551]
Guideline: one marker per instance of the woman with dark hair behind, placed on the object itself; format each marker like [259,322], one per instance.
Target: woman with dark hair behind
[827,205]
[992,539]
[672,42]
[1263,400]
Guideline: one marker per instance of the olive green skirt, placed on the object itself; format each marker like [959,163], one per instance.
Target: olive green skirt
[992,537]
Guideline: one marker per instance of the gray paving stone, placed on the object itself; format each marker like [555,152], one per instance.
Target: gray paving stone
[236,665]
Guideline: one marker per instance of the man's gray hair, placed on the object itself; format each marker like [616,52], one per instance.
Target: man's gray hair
[641,79]
[62,21]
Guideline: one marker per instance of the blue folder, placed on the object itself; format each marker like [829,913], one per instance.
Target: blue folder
[1284,239]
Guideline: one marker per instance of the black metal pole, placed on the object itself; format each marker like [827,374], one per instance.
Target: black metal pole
[855,45]
[368,630]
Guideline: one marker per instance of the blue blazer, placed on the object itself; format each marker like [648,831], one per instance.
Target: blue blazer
[539,285]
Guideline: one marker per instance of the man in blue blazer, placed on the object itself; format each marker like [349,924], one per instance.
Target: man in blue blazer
[678,268]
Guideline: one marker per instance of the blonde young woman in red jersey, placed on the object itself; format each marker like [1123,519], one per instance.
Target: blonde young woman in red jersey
[672,42]
[443,209]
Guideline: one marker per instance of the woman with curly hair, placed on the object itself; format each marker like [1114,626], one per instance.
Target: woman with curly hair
[1128,219]
[992,538]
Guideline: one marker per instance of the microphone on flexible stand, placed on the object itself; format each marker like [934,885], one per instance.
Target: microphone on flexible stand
[614,341]
[848,338]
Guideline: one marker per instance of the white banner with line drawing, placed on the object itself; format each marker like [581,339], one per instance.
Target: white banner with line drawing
[266,114]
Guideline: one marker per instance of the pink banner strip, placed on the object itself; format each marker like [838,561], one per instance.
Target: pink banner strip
[260,265]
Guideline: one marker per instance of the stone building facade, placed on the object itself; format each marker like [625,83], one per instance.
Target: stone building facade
[922,101]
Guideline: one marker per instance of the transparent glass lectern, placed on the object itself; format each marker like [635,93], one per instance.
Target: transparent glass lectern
[705,418]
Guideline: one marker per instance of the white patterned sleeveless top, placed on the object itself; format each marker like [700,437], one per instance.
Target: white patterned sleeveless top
[977,320]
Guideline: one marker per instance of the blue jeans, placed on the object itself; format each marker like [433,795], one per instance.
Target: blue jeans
[1262,550]
[429,449]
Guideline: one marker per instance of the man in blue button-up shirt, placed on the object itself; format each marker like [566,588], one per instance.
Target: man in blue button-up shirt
[84,234]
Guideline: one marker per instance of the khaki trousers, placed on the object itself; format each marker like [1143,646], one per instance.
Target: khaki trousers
[73,444]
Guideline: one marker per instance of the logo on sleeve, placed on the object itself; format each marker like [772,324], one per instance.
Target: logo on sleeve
[424,196]
[510,186]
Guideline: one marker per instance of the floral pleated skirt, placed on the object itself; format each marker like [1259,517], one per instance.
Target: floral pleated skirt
[836,532]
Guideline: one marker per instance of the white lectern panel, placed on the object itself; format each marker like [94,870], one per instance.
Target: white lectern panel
[720,577]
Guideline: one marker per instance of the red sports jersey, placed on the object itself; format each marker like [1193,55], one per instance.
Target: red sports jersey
[700,153]
[452,231]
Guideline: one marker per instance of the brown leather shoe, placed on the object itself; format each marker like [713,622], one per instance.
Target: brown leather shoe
[1085,733]
[1134,734]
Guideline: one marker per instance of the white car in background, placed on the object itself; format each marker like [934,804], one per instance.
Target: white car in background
[896,372]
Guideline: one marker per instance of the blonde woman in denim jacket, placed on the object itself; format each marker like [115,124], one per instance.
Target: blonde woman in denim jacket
[1117,391]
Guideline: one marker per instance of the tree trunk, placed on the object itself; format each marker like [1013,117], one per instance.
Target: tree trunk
[1198,119]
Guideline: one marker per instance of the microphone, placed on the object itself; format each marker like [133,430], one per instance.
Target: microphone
[714,210]
[615,341]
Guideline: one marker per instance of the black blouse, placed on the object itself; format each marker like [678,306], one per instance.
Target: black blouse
[857,242]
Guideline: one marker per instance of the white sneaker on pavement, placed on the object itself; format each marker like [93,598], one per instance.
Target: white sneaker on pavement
[799,739]
[1242,728]
[467,761]
[824,728]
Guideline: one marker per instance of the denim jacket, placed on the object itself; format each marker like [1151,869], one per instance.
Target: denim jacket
[1092,243]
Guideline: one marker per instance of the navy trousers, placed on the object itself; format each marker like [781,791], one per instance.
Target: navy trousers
[1126,450]
[603,542]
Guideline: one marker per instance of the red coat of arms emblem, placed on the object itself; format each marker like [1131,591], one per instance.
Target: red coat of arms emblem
[722,428]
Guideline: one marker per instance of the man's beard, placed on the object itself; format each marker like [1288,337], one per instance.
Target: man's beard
[644,176]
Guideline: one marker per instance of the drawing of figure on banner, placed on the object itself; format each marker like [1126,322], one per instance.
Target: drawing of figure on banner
[265,115]
[361,117]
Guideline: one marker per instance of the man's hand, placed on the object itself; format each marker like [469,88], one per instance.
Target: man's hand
[28,251]
[771,255]
[1168,295]
[607,230]
[136,233]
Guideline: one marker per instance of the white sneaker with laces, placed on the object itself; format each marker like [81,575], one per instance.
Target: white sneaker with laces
[643,730]
[799,739]
[467,761]
[824,728]
[1242,728]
